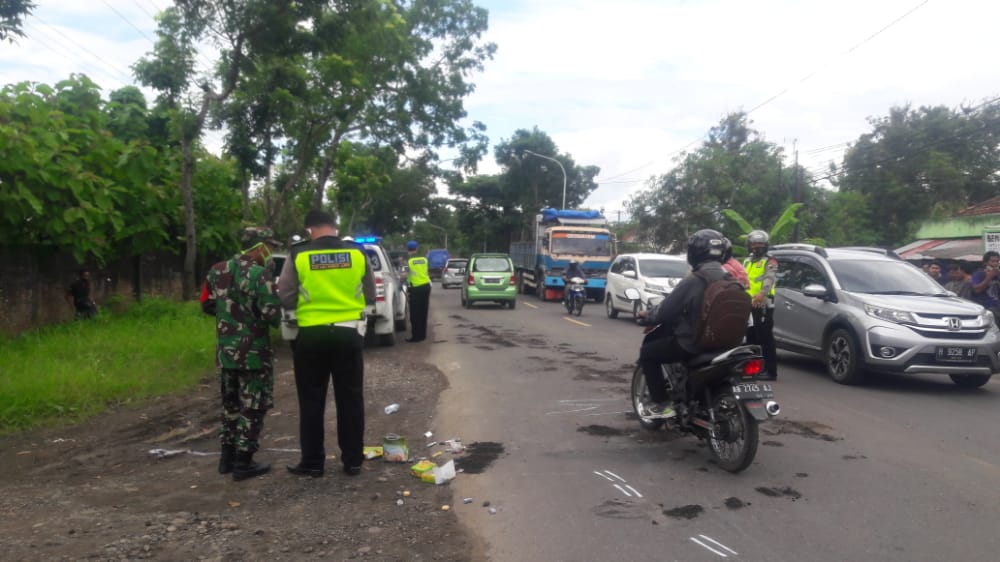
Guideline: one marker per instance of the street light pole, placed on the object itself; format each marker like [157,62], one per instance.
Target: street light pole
[442,230]
[560,167]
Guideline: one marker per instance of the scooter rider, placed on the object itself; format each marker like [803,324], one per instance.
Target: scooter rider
[573,270]
[678,316]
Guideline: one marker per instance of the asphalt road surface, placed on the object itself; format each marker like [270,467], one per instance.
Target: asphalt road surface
[898,469]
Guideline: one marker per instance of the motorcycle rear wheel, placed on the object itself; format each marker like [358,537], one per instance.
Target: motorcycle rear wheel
[735,446]
[640,396]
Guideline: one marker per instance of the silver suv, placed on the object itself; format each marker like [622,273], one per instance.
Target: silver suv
[863,310]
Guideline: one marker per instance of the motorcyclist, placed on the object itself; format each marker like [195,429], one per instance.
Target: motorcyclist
[678,317]
[573,270]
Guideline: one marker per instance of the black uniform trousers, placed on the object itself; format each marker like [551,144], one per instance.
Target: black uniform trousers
[321,352]
[420,302]
[762,334]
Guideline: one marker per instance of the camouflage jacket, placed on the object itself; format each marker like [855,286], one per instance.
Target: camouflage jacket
[244,298]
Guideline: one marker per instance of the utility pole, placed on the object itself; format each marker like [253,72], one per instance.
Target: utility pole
[798,195]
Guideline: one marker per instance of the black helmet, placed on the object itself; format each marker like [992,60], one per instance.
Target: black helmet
[705,245]
[758,237]
[727,249]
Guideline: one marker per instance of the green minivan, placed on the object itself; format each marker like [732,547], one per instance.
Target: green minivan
[489,277]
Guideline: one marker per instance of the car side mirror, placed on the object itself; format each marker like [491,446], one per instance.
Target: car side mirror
[632,294]
[815,290]
[630,274]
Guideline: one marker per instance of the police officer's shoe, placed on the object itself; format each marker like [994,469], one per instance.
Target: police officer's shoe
[245,467]
[305,470]
[352,470]
[227,459]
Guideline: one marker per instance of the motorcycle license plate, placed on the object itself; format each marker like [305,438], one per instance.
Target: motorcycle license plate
[956,354]
[753,391]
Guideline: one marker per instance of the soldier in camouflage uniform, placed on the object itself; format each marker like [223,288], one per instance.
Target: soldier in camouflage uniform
[242,295]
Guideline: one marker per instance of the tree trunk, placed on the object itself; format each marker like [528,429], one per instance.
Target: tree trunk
[324,176]
[245,188]
[187,193]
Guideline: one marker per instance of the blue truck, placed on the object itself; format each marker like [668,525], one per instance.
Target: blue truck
[436,260]
[558,237]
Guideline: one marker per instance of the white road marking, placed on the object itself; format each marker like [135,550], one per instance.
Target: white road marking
[608,472]
[576,322]
[610,413]
[531,305]
[572,411]
[622,490]
[705,546]
[719,544]
[634,491]
[589,400]
[603,476]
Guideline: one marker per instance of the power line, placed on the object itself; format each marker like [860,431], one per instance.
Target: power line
[128,21]
[66,50]
[128,80]
[788,88]
[841,170]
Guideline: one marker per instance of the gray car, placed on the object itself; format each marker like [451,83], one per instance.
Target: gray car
[863,310]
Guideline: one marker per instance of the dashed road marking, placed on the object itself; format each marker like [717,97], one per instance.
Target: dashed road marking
[624,487]
[584,324]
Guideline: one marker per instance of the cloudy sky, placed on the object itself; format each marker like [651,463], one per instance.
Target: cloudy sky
[628,85]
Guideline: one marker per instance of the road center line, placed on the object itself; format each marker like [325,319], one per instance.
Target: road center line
[572,411]
[603,476]
[634,491]
[623,490]
[584,324]
[609,473]
[531,305]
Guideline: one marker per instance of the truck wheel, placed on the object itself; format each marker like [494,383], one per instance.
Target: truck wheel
[612,311]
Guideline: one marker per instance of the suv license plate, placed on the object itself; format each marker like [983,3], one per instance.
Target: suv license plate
[956,354]
[753,391]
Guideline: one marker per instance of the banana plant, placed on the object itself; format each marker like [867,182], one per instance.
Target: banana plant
[778,232]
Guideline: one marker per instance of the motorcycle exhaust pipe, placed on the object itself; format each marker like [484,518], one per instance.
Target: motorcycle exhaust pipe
[772,408]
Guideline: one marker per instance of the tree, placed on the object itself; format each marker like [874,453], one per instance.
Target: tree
[733,169]
[921,163]
[243,30]
[12,14]
[777,233]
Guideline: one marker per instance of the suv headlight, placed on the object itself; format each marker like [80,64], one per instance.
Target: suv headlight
[890,314]
[653,288]
[988,320]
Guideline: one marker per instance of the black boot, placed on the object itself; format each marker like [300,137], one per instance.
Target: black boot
[245,467]
[227,459]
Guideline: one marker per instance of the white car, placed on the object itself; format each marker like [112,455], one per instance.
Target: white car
[653,275]
[388,315]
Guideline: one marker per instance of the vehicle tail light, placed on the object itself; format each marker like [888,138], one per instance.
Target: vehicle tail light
[472,280]
[753,367]
[513,280]
[379,289]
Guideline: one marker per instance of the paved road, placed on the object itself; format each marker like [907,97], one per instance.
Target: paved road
[900,469]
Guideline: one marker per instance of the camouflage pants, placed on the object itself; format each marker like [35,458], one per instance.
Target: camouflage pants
[247,395]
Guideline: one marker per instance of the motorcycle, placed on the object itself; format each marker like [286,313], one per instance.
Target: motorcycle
[717,398]
[576,294]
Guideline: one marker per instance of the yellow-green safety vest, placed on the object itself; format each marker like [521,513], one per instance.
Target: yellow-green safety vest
[418,271]
[756,271]
[330,286]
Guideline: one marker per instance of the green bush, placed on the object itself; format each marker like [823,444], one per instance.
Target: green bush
[63,373]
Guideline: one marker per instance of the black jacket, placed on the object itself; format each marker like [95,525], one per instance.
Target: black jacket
[680,313]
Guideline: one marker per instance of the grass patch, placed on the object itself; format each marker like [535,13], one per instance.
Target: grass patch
[64,373]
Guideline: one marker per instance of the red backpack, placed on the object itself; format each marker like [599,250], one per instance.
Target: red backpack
[724,312]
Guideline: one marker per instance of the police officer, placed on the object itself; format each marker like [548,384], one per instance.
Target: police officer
[242,295]
[420,293]
[325,286]
[762,273]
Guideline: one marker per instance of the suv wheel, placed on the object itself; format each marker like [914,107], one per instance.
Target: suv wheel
[612,312]
[843,360]
[970,381]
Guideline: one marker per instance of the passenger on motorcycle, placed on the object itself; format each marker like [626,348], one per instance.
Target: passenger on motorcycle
[678,316]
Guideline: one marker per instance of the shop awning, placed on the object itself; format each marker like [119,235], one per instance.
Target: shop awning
[962,249]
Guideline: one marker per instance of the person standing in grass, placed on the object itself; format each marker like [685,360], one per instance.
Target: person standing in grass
[78,296]
[243,296]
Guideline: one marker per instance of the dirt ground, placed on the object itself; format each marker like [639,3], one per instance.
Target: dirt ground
[100,491]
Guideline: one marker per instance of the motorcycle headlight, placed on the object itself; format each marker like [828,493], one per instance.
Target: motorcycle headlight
[890,314]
